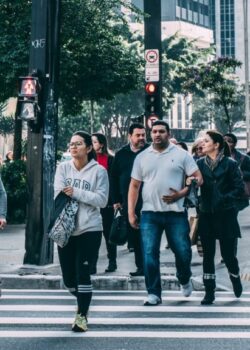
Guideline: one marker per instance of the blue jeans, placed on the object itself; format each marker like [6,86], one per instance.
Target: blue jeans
[176,227]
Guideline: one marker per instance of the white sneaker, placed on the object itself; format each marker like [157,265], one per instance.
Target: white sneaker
[187,289]
[152,300]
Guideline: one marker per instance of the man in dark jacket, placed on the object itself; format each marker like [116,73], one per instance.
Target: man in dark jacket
[120,180]
[243,161]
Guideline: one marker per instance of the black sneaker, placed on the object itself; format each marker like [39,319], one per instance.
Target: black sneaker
[138,272]
[111,268]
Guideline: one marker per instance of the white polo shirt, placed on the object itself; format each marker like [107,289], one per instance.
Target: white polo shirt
[160,171]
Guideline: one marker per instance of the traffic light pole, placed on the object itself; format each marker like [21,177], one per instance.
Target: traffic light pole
[153,61]
[41,154]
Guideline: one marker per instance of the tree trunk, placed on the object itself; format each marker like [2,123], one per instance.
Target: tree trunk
[92,116]
[228,119]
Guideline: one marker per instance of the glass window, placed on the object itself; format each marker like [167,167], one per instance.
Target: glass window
[184,13]
[178,12]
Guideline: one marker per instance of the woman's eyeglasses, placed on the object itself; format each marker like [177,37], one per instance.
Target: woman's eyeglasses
[75,144]
[199,149]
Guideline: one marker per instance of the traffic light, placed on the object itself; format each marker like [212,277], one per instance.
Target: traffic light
[152,100]
[28,95]
[152,104]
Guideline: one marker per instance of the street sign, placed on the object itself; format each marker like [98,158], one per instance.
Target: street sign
[152,69]
[152,56]
[151,120]
[152,74]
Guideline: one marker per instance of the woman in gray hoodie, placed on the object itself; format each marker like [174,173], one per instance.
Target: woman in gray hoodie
[84,180]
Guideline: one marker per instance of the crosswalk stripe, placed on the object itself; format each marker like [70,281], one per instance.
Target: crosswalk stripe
[64,291]
[121,298]
[128,308]
[125,334]
[128,321]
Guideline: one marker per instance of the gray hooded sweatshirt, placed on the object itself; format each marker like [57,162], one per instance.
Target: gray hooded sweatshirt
[90,189]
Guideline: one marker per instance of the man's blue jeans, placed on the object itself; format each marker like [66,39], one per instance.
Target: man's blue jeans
[176,227]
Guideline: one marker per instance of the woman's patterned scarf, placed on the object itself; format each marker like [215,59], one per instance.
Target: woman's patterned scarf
[212,164]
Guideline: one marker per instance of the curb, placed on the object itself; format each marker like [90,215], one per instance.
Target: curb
[35,281]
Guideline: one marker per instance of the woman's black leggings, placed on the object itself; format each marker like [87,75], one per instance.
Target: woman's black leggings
[75,259]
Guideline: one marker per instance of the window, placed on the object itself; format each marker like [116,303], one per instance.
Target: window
[227,28]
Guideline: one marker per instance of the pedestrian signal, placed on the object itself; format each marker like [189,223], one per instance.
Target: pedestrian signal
[28,99]
[29,86]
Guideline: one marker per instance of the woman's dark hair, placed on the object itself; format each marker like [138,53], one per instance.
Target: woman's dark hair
[102,140]
[88,141]
[232,136]
[217,137]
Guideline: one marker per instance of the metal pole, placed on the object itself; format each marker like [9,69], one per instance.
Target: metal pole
[245,11]
[153,69]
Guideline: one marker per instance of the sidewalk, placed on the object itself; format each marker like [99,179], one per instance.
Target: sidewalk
[14,274]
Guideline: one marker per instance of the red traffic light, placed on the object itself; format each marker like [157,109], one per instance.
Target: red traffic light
[150,88]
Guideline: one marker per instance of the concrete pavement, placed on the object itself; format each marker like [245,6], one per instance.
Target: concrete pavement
[14,274]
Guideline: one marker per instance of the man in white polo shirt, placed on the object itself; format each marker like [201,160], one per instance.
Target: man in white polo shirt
[162,168]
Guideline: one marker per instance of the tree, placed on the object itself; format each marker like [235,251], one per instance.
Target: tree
[205,113]
[95,59]
[178,54]
[217,80]
[15,17]
[71,123]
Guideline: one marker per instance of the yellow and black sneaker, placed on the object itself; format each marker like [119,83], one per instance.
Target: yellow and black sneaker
[80,324]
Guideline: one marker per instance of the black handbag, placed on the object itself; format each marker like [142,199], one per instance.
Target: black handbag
[119,229]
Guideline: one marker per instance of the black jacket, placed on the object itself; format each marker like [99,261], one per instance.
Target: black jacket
[110,162]
[121,174]
[222,186]
[243,161]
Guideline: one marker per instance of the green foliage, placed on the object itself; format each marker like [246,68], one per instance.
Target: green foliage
[14,179]
[95,53]
[178,54]
[7,124]
[68,124]
[15,18]
[96,59]
[205,112]
[216,79]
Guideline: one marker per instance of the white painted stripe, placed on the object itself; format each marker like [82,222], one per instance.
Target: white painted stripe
[119,297]
[128,334]
[4,291]
[21,292]
[128,308]
[129,321]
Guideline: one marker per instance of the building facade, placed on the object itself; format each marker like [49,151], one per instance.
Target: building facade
[229,31]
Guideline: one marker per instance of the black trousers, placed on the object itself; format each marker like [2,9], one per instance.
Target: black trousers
[228,253]
[107,218]
[75,259]
[134,237]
